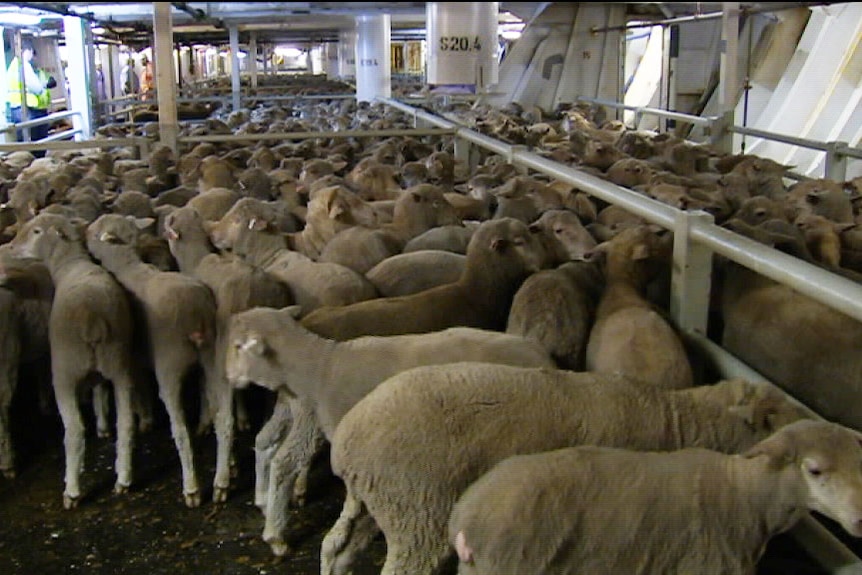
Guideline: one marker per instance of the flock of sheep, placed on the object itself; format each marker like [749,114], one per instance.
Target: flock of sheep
[486,351]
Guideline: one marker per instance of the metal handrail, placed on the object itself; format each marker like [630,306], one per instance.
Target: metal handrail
[42,120]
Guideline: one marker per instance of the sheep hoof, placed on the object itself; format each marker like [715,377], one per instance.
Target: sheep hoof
[220,494]
[70,502]
[9,473]
[279,547]
[120,489]
[192,499]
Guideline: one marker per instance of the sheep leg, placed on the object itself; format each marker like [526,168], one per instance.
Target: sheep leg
[7,450]
[266,443]
[123,390]
[289,472]
[224,428]
[354,530]
[73,436]
[243,421]
[170,392]
[102,409]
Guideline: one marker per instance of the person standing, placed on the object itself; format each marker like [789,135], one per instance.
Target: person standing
[36,92]
[131,84]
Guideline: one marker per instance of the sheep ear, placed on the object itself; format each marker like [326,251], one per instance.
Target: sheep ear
[141,223]
[293,311]
[257,224]
[499,244]
[779,447]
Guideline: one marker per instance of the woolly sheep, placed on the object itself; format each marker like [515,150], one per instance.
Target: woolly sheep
[434,430]
[90,330]
[178,314]
[412,272]
[579,510]
[271,348]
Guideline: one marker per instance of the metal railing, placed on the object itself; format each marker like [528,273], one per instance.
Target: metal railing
[696,239]
[837,152]
[50,118]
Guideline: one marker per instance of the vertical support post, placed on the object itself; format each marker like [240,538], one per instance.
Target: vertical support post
[462,151]
[673,60]
[166,88]
[373,66]
[728,74]
[691,275]
[233,33]
[252,59]
[4,97]
[835,167]
[80,69]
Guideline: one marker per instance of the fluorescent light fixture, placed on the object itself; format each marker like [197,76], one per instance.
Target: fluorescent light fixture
[511,31]
[240,54]
[19,19]
[510,34]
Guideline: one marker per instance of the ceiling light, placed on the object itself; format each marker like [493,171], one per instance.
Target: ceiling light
[19,19]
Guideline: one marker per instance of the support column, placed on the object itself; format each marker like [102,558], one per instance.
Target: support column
[347,54]
[76,32]
[462,44]
[728,74]
[373,68]
[163,61]
[252,59]
[233,33]
[331,52]
[4,88]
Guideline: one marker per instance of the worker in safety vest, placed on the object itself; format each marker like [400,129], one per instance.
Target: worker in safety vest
[36,89]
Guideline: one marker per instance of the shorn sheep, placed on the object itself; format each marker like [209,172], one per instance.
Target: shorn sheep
[178,314]
[597,510]
[90,330]
[410,447]
[271,348]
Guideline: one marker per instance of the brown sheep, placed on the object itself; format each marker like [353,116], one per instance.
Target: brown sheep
[630,336]
[502,253]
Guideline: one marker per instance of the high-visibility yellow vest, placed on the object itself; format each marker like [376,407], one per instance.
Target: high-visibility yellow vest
[14,92]
[44,99]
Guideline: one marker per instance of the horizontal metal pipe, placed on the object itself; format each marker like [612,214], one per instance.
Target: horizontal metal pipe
[43,120]
[779,137]
[310,135]
[73,145]
[679,116]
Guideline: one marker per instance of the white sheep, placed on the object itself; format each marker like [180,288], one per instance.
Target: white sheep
[271,348]
[410,447]
[178,316]
[249,231]
[412,272]
[596,510]
[90,330]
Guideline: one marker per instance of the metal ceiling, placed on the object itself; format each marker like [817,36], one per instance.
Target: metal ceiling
[285,22]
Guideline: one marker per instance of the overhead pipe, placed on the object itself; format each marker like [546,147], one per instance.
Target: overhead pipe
[708,16]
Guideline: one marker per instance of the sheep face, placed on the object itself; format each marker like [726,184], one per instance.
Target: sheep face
[40,236]
[250,357]
[829,459]
[246,216]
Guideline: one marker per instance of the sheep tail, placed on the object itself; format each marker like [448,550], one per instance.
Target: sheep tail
[465,553]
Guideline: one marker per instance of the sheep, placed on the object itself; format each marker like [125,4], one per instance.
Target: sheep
[556,307]
[236,284]
[271,348]
[417,210]
[412,272]
[502,253]
[178,313]
[578,509]
[449,238]
[630,336]
[433,430]
[248,230]
[90,330]
[565,236]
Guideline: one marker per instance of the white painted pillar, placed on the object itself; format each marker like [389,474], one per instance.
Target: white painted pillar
[233,33]
[111,68]
[76,33]
[728,73]
[373,66]
[252,59]
[347,53]
[4,84]
[163,61]
[462,47]
[331,60]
